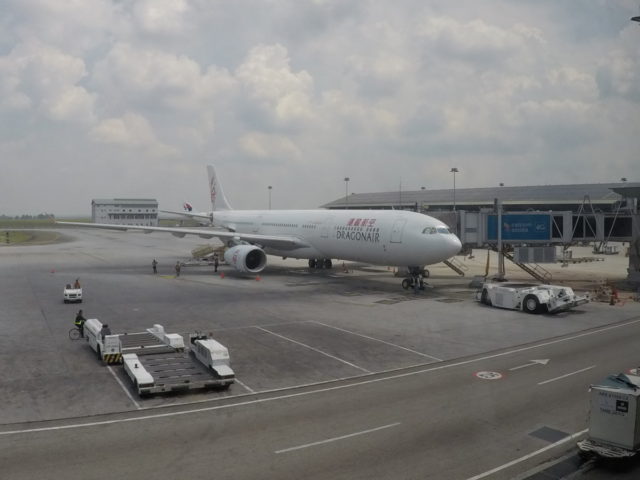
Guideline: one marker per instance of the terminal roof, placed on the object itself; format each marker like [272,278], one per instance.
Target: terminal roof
[541,196]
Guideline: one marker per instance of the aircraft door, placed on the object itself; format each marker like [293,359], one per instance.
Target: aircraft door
[324,228]
[396,231]
[256,224]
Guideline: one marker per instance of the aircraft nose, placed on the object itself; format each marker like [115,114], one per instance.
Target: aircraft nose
[455,245]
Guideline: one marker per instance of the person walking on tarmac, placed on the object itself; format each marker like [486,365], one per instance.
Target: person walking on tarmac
[177,268]
[215,262]
[79,323]
[154,264]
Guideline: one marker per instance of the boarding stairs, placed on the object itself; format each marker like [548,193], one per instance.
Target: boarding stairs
[535,270]
[456,265]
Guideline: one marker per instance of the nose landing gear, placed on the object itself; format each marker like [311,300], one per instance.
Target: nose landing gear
[415,279]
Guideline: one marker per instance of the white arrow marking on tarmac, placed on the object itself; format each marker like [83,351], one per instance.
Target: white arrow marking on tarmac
[544,361]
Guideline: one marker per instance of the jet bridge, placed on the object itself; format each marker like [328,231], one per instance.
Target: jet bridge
[479,229]
[537,229]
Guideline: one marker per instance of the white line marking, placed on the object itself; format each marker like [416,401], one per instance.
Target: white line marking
[314,349]
[123,387]
[567,375]
[533,362]
[245,386]
[310,392]
[329,440]
[531,455]
[378,340]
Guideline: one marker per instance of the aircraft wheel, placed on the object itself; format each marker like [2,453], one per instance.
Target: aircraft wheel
[312,263]
[406,283]
[327,263]
[531,304]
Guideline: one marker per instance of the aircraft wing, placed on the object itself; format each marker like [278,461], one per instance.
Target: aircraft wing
[204,216]
[278,242]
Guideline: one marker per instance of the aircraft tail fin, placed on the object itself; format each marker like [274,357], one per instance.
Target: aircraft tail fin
[218,200]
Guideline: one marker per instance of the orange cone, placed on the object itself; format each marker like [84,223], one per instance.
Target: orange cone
[258,278]
[221,274]
[53,270]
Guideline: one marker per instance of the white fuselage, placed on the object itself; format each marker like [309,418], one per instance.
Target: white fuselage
[380,237]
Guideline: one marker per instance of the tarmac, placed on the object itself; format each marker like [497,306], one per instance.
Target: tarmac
[286,328]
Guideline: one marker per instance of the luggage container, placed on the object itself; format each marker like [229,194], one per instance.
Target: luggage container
[614,421]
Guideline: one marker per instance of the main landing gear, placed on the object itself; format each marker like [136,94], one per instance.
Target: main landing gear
[320,263]
[415,279]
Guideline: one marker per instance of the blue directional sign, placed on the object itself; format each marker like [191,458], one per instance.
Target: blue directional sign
[520,227]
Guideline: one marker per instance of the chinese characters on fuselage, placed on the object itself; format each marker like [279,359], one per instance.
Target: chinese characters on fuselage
[359,230]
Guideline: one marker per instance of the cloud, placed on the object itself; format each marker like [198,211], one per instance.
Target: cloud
[476,42]
[162,17]
[132,131]
[46,81]
[267,78]
[619,76]
[74,26]
[153,78]
[325,89]
[275,147]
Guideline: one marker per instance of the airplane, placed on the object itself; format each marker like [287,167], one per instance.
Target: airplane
[397,238]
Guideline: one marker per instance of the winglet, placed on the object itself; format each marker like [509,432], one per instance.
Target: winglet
[218,200]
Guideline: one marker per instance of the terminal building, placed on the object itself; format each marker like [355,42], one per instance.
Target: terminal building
[127,211]
[532,217]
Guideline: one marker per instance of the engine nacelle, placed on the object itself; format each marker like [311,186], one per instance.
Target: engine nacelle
[246,258]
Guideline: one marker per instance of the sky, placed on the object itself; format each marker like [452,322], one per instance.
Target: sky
[133,98]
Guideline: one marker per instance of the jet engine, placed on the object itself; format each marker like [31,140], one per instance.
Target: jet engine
[246,258]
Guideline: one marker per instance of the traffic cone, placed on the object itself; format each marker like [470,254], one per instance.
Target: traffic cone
[53,270]
[258,278]
[221,274]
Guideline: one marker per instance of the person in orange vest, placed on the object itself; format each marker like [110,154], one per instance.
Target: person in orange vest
[614,296]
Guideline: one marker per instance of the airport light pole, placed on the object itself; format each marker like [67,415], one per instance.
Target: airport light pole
[269,188]
[454,170]
[346,189]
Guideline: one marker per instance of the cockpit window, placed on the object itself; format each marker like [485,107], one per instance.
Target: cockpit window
[443,230]
[429,230]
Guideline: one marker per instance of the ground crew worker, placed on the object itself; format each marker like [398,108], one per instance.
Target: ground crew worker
[105,331]
[177,268]
[76,284]
[79,322]
[215,262]
[154,264]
